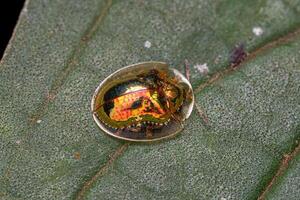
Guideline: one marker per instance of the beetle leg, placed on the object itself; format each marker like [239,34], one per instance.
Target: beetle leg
[173,115]
[202,114]
[118,132]
[187,69]
[149,132]
[177,119]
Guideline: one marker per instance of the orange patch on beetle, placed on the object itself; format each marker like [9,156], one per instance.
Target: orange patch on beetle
[149,105]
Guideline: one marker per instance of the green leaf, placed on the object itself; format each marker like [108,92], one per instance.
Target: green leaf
[241,141]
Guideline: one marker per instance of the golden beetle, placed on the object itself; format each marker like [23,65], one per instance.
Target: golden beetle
[143,102]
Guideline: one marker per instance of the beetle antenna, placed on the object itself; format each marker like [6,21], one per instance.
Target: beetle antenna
[187,69]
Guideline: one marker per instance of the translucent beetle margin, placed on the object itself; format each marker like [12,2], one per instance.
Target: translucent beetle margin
[143,102]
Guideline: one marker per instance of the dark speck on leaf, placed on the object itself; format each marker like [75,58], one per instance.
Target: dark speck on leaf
[77,155]
[237,55]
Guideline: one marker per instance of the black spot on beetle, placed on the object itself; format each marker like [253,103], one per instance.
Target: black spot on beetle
[137,104]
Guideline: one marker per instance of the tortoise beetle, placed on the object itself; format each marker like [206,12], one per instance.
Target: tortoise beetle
[143,102]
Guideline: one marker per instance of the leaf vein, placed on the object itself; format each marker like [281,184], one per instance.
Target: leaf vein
[88,184]
[72,62]
[230,69]
[287,158]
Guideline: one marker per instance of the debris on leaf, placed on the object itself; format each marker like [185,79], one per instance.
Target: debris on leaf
[77,155]
[147,44]
[258,31]
[202,68]
[217,59]
[237,55]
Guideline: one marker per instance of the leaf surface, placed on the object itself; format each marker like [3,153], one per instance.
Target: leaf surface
[233,146]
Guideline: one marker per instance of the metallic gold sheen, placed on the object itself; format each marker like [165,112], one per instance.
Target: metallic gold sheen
[143,102]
